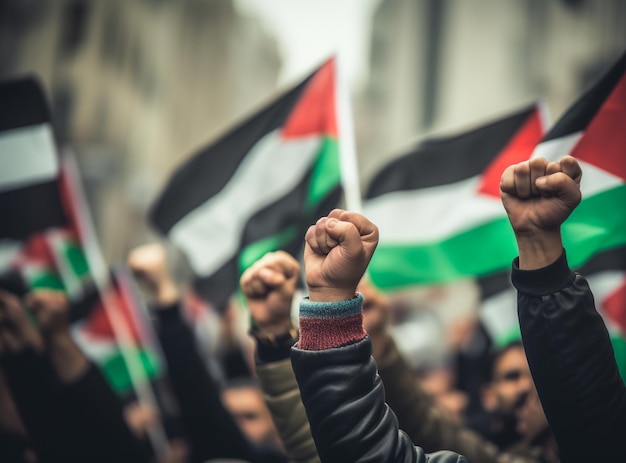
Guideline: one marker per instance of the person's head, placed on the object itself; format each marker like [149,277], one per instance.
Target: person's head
[510,381]
[244,400]
[532,423]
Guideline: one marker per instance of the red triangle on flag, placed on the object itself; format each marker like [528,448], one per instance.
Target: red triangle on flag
[98,324]
[614,306]
[315,112]
[519,149]
[603,143]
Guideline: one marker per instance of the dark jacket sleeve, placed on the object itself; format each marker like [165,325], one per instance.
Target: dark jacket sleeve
[209,427]
[345,403]
[572,363]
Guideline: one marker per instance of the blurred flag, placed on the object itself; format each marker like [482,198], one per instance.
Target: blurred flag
[257,188]
[29,165]
[592,131]
[438,207]
[46,238]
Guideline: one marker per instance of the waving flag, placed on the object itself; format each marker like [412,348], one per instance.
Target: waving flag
[438,207]
[29,164]
[591,130]
[46,240]
[257,188]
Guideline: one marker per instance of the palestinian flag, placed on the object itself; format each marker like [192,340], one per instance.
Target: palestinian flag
[110,325]
[257,188]
[438,207]
[104,340]
[593,131]
[29,165]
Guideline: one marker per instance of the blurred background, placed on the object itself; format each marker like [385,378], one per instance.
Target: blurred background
[137,85]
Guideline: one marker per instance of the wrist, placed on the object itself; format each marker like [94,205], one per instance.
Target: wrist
[166,295]
[539,250]
[326,294]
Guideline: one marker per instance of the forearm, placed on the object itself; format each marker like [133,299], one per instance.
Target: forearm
[572,361]
[209,427]
[340,387]
[282,396]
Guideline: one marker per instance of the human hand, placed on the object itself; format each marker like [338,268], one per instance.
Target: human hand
[338,249]
[149,266]
[17,333]
[538,196]
[269,286]
[51,309]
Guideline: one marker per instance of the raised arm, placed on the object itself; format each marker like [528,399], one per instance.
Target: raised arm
[269,286]
[566,341]
[340,388]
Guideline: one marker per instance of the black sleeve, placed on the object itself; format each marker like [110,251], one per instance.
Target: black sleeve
[345,402]
[572,363]
[209,427]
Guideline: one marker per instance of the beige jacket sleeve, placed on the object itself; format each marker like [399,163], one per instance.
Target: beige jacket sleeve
[282,397]
[425,423]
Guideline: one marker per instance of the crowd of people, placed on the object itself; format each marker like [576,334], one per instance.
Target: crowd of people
[331,386]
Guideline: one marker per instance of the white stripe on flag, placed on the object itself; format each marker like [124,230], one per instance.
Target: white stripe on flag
[431,214]
[27,157]
[210,234]
[8,251]
[555,149]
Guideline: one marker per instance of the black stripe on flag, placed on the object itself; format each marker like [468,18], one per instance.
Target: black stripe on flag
[440,161]
[611,259]
[22,103]
[211,168]
[587,106]
[285,212]
[30,209]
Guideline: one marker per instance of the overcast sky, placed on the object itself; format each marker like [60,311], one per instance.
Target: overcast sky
[309,31]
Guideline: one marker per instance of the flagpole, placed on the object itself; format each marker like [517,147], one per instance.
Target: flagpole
[121,332]
[347,144]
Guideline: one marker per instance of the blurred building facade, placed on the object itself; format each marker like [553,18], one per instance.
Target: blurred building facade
[441,65]
[135,87]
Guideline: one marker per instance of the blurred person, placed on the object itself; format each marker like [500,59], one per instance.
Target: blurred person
[269,286]
[211,431]
[69,412]
[566,341]
[508,385]
[532,424]
[244,400]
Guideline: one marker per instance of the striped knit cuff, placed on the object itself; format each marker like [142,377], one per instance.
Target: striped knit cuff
[324,325]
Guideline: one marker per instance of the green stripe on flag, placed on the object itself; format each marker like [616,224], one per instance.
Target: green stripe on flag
[116,371]
[478,251]
[45,280]
[76,258]
[597,224]
[326,173]
[253,252]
